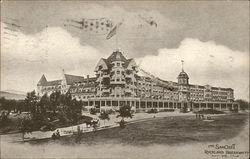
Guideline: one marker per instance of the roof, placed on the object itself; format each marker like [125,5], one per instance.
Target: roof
[83,86]
[200,86]
[127,62]
[116,56]
[42,81]
[215,88]
[53,83]
[70,79]
[226,89]
[183,75]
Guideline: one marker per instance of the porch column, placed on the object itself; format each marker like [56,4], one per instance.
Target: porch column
[139,103]
[199,106]
[220,106]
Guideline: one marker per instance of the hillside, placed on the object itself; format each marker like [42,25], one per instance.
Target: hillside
[8,95]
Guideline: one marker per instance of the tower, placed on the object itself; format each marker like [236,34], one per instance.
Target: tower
[183,77]
[183,81]
[116,76]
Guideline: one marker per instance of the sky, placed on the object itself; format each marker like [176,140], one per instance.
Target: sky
[211,37]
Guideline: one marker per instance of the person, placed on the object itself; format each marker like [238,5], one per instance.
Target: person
[53,136]
[57,134]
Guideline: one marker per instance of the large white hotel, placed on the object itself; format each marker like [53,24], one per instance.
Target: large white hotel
[117,83]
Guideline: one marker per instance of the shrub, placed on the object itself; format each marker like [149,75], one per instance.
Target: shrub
[152,111]
[210,111]
[93,111]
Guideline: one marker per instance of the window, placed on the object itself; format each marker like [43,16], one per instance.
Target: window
[118,64]
[118,72]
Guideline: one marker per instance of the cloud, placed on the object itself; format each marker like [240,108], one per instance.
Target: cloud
[134,35]
[205,63]
[38,49]
[26,57]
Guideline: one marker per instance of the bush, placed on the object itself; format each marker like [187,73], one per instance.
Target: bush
[93,111]
[4,119]
[166,110]
[184,109]
[210,111]
[152,111]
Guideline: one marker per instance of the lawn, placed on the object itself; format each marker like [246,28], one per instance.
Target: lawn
[168,130]
[14,121]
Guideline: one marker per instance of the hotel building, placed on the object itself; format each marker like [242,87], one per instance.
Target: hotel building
[117,83]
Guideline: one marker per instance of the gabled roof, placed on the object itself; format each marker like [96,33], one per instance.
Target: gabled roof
[127,62]
[103,64]
[116,56]
[70,79]
[53,83]
[42,81]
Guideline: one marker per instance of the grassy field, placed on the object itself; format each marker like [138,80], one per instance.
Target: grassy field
[168,130]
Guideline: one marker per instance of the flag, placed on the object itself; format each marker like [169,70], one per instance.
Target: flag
[113,31]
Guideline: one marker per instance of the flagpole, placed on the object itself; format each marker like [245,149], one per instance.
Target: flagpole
[116,39]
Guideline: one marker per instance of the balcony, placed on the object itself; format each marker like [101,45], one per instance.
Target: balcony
[105,76]
[116,82]
[107,90]
[127,90]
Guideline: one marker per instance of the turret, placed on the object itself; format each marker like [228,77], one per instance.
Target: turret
[183,77]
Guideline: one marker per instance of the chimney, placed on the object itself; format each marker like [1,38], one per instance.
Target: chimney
[87,79]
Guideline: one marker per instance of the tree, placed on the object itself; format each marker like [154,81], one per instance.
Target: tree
[93,111]
[75,109]
[31,101]
[54,98]
[184,109]
[4,119]
[44,103]
[7,104]
[2,103]
[104,116]
[244,105]
[124,112]
[26,126]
